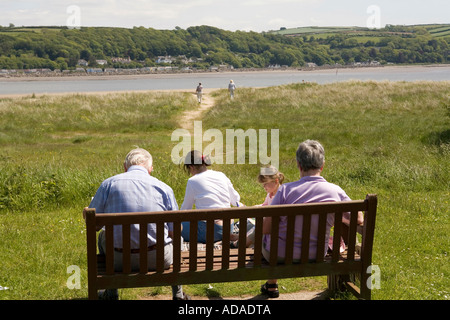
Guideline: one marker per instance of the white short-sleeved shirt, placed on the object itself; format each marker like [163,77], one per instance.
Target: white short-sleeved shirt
[209,189]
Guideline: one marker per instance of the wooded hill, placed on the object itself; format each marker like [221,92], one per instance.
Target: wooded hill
[205,46]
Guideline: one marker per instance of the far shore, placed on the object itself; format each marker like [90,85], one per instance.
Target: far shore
[379,69]
[120,76]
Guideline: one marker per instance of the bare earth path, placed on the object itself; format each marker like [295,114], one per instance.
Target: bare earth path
[188,118]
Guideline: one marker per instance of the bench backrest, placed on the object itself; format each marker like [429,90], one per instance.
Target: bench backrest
[368,206]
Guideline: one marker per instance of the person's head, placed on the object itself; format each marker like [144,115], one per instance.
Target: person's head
[196,162]
[139,157]
[270,179]
[310,157]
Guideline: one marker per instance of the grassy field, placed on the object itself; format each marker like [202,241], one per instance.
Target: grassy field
[388,138]
[360,33]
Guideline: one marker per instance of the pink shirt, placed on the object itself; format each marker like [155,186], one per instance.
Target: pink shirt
[268,200]
[307,189]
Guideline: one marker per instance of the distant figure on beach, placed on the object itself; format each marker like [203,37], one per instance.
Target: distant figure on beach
[199,92]
[231,88]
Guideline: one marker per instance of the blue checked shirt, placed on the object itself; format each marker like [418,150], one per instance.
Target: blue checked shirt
[134,191]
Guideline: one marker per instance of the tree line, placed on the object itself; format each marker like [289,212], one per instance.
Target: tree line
[62,48]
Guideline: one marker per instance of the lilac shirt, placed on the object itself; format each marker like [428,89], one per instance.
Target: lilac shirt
[307,189]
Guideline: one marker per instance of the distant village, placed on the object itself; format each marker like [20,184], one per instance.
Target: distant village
[166,65]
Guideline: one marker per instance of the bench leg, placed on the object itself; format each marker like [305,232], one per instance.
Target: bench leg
[92,293]
[335,283]
[347,282]
[366,293]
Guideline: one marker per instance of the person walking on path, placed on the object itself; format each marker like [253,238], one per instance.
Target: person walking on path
[199,92]
[231,88]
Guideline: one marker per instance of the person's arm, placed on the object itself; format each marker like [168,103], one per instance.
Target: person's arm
[277,199]
[266,200]
[98,202]
[171,206]
[346,218]
[234,195]
[189,197]
[346,215]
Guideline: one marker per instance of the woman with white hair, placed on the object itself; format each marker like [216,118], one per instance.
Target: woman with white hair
[311,187]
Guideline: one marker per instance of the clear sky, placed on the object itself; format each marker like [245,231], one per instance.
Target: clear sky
[246,15]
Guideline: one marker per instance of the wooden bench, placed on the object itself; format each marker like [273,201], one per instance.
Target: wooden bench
[242,264]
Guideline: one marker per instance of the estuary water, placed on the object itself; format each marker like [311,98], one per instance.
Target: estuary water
[216,80]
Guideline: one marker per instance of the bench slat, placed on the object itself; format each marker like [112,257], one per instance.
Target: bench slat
[352,235]
[258,241]
[274,241]
[193,227]
[321,238]
[126,255]
[143,244]
[290,239]
[305,238]
[176,246]
[337,236]
[209,244]
[226,243]
[160,230]
[109,243]
[242,241]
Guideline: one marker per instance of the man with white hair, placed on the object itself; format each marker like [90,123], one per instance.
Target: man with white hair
[136,190]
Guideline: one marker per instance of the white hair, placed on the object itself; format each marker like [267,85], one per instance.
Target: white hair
[139,157]
[311,155]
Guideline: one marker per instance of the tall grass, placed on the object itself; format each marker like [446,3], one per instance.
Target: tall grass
[388,138]
[380,137]
[54,153]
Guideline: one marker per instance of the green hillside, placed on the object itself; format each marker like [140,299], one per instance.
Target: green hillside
[434,30]
[203,46]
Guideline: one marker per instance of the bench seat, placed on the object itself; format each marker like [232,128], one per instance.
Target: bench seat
[212,264]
